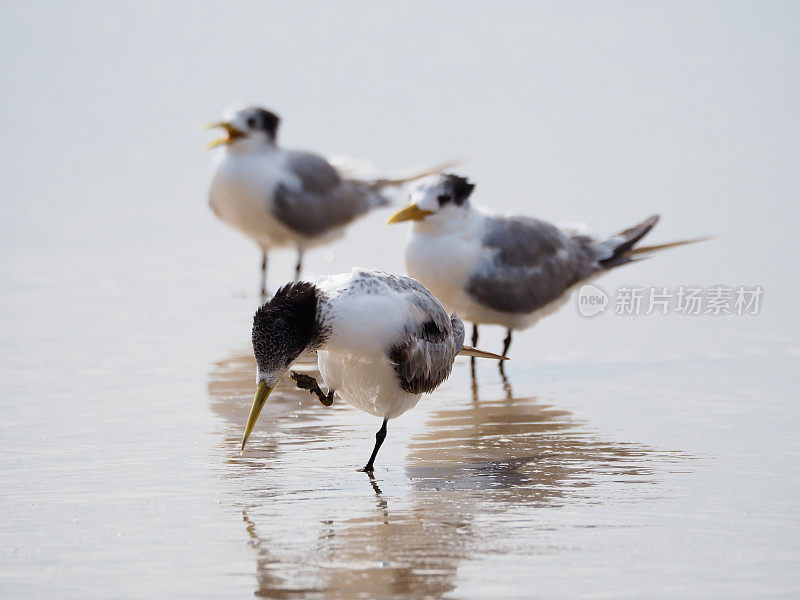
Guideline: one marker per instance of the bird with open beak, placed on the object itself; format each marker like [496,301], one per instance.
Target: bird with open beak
[285,198]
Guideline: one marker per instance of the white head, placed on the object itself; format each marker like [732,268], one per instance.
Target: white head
[247,129]
[441,202]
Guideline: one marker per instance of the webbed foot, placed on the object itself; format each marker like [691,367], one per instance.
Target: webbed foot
[306,382]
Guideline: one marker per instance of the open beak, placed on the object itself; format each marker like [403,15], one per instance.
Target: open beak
[231,134]
[412,212]
[262,393]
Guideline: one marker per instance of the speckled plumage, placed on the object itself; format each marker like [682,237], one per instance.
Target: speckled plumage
[382,340]
[286,325]
[401,328]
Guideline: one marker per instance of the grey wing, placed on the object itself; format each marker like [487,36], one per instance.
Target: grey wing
[424,352]
[324,200]
[424,357]
[533,264]
[316,175]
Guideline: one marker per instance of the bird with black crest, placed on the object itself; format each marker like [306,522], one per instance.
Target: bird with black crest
[382,341]
[505,270]
[286,198]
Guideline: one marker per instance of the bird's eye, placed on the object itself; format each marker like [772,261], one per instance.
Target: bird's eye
[251,122]
[443,198]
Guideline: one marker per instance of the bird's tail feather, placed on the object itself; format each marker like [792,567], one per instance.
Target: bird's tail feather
[625,240]
[647,249]
[379,184]
[470,351]
[623,249]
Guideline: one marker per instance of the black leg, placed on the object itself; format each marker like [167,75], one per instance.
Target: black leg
[474,345]
[264,276]
[379,437]
[299,267]
[307,382]
[506,344]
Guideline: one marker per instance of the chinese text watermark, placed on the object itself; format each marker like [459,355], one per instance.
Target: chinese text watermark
[688,300]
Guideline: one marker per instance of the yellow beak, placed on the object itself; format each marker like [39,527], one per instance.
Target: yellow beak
[231,134]
[412,212]
[262,393]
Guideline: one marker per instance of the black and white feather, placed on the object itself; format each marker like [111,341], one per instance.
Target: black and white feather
[424,353]
[390,340]
[381,341]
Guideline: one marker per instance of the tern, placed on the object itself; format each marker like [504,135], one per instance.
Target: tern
[381,340]
[285,198]
[505,270]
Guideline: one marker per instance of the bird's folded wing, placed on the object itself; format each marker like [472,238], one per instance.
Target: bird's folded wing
[424,357]
[424,348]
[323,200]
[316,175]
[532,264]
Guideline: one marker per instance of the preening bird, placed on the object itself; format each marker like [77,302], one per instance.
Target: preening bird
[504,270]
[285,198]
[381,340]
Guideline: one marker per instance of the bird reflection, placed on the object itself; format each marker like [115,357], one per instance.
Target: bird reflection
[521,449]
[230,389]
[474,381]
[343,535]
[382,503]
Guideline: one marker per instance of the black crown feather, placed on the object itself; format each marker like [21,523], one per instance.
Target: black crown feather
[287,323]
[460,188]
[264,120]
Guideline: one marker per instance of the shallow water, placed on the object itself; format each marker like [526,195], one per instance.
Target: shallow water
[469,460]
[589,474]
[477,471]
[620,457]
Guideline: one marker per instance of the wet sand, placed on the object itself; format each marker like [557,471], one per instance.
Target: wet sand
[472,497]
[575,475]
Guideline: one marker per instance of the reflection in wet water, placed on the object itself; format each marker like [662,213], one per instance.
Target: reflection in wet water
[522,450]
[478,471]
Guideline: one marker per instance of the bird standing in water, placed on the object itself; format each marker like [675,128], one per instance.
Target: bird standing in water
[284,198]
[381,340]
[499,270]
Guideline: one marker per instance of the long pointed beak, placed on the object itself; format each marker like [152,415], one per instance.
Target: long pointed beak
[231,134]
[412,212]
[262,393]
[470,351]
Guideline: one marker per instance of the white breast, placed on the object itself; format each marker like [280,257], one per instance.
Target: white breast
[364,319]
[241,194]
[368,383]
[444,262]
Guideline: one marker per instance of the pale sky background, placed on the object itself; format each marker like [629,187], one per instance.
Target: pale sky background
[602,112]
